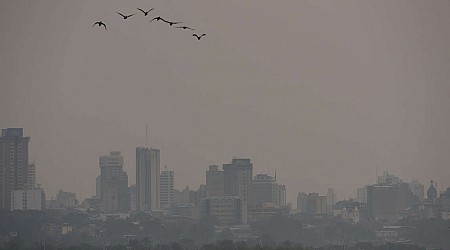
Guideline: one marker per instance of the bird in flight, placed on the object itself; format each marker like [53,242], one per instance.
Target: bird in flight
[125,16]
[184,27]
[145,12]
[199,36]
[100,23]
[157,19]
[171,23]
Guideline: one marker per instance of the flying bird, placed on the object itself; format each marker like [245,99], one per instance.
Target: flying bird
[171,23]
[157,19]
[125,16]
[184,27]
[100,23]
[198,37]
[145,12]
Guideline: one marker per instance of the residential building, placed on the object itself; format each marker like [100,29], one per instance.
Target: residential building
[166,188]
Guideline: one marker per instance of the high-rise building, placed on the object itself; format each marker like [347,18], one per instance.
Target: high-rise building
[265,190]
[214,181]
[361,194]
[238,182]
[13,164]
[31,176]
[302,206]
[166,189]
[331,199]
[381,201]
[282,195]
[98,187]
[316,204]
[147,179]
[114,183]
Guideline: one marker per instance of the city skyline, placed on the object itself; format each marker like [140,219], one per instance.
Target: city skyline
[324,92]
[235,179]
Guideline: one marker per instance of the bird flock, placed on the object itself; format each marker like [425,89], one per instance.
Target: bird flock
[157,18]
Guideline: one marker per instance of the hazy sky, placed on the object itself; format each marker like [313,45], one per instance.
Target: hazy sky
[321,91]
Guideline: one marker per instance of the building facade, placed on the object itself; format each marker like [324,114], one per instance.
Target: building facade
[381,201]
[167,178]
[114,183]
[14,164]
[214,181]
[29,199]
[227,209]
[238,177]
[266,190]
[147,179]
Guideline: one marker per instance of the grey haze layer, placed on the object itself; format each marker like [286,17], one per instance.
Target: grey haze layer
[322,91]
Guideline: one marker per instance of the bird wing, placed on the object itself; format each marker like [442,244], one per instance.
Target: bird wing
[96,24]
[141,10]
[103,25]
[203,35]
[131,15]
[150,10]
[121,14]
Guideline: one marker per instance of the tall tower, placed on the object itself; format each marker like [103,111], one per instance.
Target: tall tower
[147,179]
[238,182]
[13,164]
[214,181]
[113,183]
[166,188]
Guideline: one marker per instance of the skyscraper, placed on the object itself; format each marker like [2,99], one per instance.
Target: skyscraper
[114,183]
[214,181]
[147,179]
[238,182]
[13,164]
[166,188]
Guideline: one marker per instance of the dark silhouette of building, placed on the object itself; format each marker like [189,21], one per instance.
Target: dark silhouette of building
[14,166]
[147,179]
[238,182]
